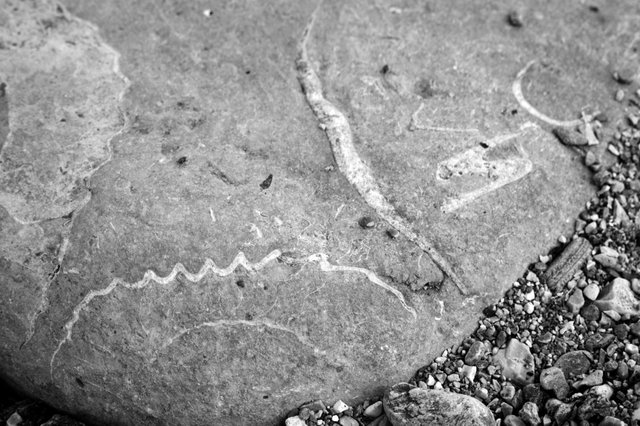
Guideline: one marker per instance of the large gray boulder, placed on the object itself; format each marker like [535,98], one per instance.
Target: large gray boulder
[179,237]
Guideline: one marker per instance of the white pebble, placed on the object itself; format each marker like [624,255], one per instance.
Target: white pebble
[339,407]
[431,381]
[591,291]
[295,421]
[631,349]
[529,308]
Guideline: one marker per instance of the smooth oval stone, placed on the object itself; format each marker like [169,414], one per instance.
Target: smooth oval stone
[407,405]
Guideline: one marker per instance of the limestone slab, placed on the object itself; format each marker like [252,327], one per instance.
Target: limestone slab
[179,223]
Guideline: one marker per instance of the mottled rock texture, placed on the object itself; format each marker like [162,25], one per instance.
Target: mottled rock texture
[179,238]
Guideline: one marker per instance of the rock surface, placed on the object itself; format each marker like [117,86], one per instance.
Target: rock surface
[407,405]
[180,244]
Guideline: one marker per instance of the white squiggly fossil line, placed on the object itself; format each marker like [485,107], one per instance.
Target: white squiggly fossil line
[338,132]
[150,276]
[325,266]
[517,92]
[210,267]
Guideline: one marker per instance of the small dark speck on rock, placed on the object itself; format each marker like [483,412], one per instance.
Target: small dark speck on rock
[514,19]
[366,222]
[267,182]
[240,283]
[385,69]
[181,162]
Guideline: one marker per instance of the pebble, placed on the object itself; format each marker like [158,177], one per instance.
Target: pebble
[366,222]
[469,372]
[603,391]
[475,353]
[339,407]
[591,291]
[612,421]
[393,233]
[619,297]
[575,301]
[529,308]
[592,379]
[516,362]
[529,414]
[631,349]
[348,421]
[512,420]
[508,392]
[514,19]
[590,313]
[574,363]
[619,95]
[295,421]
[552,379]
[374,410]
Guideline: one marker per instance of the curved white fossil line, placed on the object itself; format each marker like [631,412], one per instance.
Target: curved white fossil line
[150,276]
[210,267]
[517,92]
[338,131]
[325,266]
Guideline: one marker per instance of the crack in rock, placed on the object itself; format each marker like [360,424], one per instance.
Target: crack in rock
[517,92]
[338,131]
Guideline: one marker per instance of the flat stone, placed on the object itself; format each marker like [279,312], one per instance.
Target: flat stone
[516,362]
[574,363]
[592,379]
[618,296]
[552,379]
[406,405]
[173,213]
[575,302]
[475,353]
